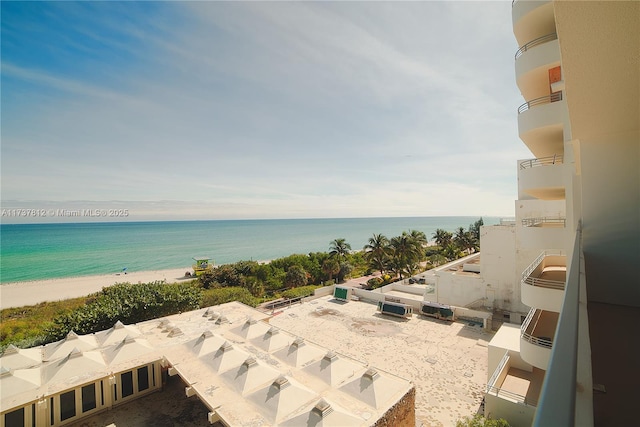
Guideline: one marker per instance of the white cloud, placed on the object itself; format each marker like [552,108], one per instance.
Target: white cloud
[279,110]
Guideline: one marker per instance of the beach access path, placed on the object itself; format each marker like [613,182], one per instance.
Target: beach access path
[33,292]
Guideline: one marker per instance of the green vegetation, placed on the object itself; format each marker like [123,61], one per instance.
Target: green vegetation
[480,421]
[246,281]
[223,295]
[127,303]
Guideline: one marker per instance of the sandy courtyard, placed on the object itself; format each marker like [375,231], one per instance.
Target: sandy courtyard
[446,361]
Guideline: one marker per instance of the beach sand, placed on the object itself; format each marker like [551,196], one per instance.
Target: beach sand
[33,292]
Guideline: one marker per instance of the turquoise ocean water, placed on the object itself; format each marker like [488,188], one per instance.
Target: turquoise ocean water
[46,251]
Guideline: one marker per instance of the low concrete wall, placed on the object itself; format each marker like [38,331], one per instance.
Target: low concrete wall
[474,315]
[410,289]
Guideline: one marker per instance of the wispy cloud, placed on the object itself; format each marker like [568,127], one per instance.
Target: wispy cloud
[267,109]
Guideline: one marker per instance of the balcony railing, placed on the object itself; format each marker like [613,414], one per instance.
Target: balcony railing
[494,389]
[544,222]
[536,42]
[558,397]
[529,326]
[556,159]
[536,262]
[554,97]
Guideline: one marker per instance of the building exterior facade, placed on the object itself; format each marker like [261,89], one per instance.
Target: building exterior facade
[577,229]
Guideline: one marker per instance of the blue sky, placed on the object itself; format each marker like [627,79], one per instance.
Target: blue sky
[216,110]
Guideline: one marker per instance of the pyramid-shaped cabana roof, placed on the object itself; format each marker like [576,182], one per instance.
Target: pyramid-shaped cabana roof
[300,353]
[15,381]
[21,358]
[374,388]
[282,397]
[250,375]
[205,344]
[72,341]
[324,413]
[334,369]
[76,363]
[116,334]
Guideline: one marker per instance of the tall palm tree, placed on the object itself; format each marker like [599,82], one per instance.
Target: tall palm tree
[406,252]
[376,251]
[419,237]
[339,248]
[464,240]
[442,237]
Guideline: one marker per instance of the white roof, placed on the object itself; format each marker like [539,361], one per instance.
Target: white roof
[334,369]
[72,341]
[19,358]
[282,397]
[17,381]
[270,378]
[117,333]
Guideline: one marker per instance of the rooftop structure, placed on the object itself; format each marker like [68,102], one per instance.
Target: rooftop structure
[577,229]
[245,371]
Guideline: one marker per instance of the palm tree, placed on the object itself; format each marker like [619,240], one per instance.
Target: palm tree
[406,252]
[419,237]
[339,248]
[376,251]
[464,240]
[442,237]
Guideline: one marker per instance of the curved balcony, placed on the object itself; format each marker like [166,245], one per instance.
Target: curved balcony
[542,178]
[543,282]
[540,124]
[533,61]
[536,337]
[532,19]
[514,389]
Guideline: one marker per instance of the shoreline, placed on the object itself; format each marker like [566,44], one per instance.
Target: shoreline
[19,294]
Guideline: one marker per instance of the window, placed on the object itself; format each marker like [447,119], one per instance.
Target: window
[127,383]
[88,397]
[143,378]
[67,405]
[14,418]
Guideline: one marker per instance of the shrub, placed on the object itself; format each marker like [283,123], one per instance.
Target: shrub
[127,303]
[223,295]
[375,282]
[303,291]
[480,421]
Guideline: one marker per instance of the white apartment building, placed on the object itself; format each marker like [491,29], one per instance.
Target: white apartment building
[574,359]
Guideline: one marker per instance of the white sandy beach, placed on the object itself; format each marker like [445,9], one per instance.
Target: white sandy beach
[33,292]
